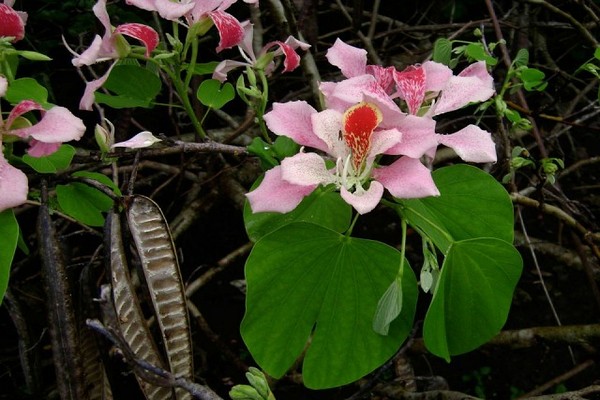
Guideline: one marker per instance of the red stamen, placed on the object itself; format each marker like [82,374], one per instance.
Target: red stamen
[358,125]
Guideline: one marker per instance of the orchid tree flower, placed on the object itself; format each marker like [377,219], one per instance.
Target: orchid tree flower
[111,46]
[352,140]
[428,90]
[12,23]
[139,141]
[264,60]
[56,125]
[202,14]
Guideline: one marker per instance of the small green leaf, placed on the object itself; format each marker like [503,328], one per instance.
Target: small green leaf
[132,86]
[84,203]
[212,94]
[322,207]
[9,234]
[26,89]
[57,161]
[285,147]
[264,151]
[522,58]
[33,55]
[477,52]
[473,296]
[203,68]
[305,281]
[597,53]
[442,51]
[105,180]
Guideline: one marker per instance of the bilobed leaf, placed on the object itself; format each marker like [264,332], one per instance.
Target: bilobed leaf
[442,51]
[132,86]
[26,89]
[322,207]
[9,234]
[84,203]
[212,94]
[57,161]
[472,204]
[473,295]
[306,281]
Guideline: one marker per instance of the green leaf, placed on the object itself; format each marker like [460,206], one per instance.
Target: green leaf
[203,68]
[33,55]
[213,95]
[522,58]
[322,207]
[473,295]
[597,53]
[84,203]
[476,51]
[472,204]
[264,151]
[390,304]
[26,89]
[57,161]
[305,281]
[285,147]
[9,234]
[105,180]
[132,85]
[442,51]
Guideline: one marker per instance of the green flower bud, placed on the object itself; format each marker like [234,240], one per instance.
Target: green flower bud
[244,392]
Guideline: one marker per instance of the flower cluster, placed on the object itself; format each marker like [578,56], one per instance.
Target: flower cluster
[374,111]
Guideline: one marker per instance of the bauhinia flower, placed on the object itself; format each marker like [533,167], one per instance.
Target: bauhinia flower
[56,125]
[202,13]
[265,57]
[428,90]
[352,140]
[12,23]
[111,46]
[139,141]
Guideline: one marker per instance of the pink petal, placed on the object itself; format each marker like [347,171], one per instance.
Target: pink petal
[91,55]
[223,68]
[411,87]
[436,76]
[41,149]
[472,144]
[383,140]
[11,23]
[167,9]
[141,140]
[472,85]
[22,108]
[141,32]
[327,125]
[418,136]
[13,185]
[56,126]
[293,119]
[102,15]
[230,29]
[276,195]
[366,201]
[383,75]
[407,178]
[87,100]
[351,60]
[305,169]
[291,60]
[3,86]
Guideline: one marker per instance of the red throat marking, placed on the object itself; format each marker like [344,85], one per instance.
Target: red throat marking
[359,121]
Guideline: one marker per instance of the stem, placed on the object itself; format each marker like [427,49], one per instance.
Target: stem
[260,112]
[349,231]
[403,247]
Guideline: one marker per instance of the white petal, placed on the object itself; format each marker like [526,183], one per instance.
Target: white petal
[141,140]
[305,169]
[365,201]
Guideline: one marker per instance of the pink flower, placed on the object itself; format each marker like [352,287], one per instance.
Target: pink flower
[231,31]
[265,57]
[111,46]
[352,139]
[427,90]
[56,125]
[12,23]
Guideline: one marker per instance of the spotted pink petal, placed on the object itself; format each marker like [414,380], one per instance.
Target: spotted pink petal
[101,13]
[141,32]
[418,137]
[11,23]
[411,87]
[472,144]
[276,195]
[383,75]
[293,119]
[41,149]
[57,125]
[292,59]
[22,108]
[366,201]
[231,31]
[407,178]
[351,60]
[13,185]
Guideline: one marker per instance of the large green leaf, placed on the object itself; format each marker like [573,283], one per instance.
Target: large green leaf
[57,161]
[84,203]
[9,235]
[132,85]
[473,295]
[472,205]
[26,89]
[307,283]
[322,207]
